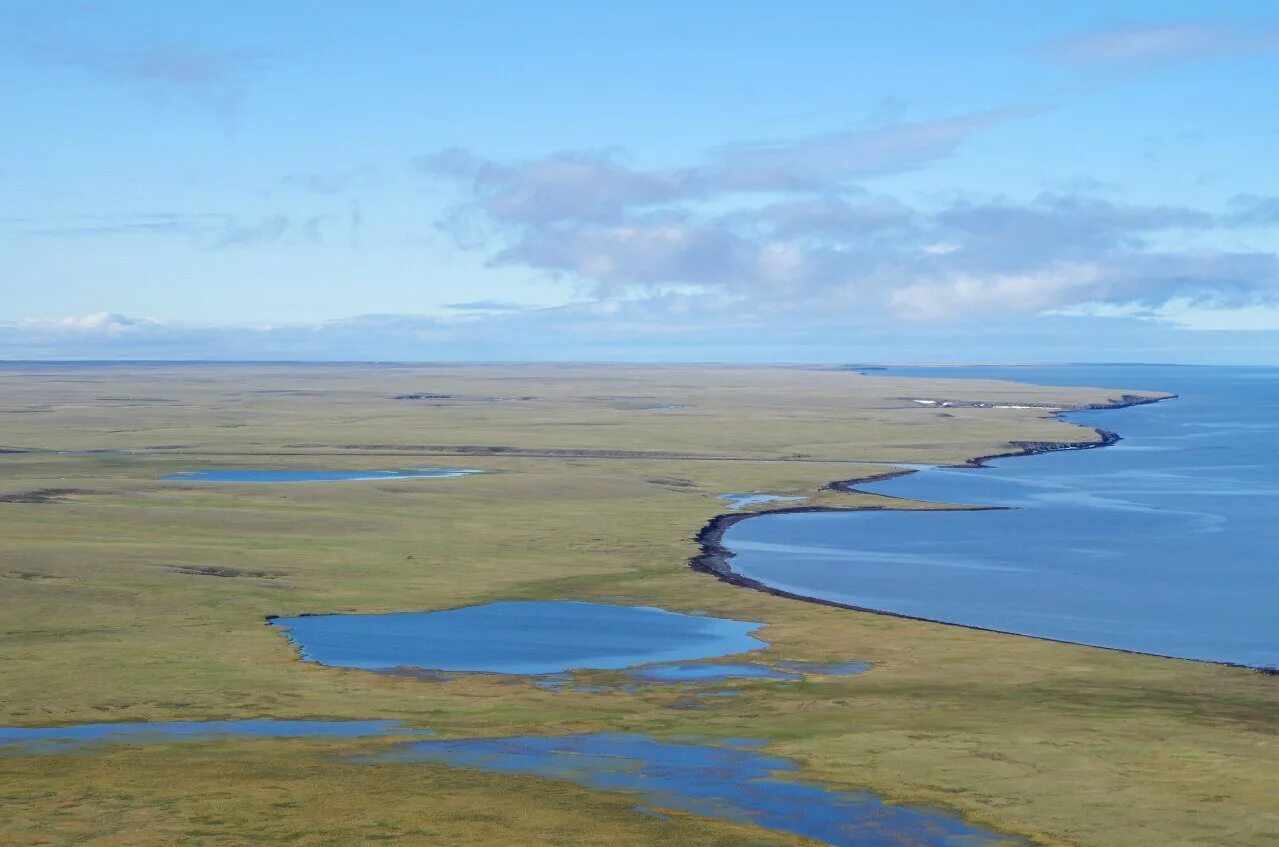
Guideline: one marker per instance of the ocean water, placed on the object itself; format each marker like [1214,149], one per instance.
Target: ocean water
[1165,543]
[312,475]
[734,783]
[520,637]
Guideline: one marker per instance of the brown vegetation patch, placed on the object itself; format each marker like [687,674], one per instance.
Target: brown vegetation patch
[31,576]
[225,572]
[673,482]
[44,495]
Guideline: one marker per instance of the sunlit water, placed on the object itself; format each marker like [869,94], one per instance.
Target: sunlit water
[729,780]
[741,501]
[733,783]
[1165,543]
[518,638]
[77,737]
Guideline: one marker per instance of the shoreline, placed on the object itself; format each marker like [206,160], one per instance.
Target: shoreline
[714,558]
[1105,437]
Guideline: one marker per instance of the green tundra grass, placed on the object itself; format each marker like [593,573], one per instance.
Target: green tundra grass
[123,597]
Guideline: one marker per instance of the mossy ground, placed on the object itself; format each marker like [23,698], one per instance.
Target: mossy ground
[106,615]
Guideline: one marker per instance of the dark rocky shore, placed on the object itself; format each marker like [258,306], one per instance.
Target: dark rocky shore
[715,559]
[1105,437]
[714,556]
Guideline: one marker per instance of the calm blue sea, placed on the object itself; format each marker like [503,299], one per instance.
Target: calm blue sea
[1165,543]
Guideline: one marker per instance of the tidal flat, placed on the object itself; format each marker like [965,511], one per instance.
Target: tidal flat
[131,599]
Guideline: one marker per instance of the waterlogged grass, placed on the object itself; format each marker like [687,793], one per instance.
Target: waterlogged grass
[127,598]
[233,794]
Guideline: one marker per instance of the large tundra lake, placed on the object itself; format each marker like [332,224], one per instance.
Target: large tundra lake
[1165,543]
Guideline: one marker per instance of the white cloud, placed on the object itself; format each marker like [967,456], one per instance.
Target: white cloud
[593,186]
[1149,44]
[782,226]
[1186,315]
[963,294]
[213,77]
[107,323]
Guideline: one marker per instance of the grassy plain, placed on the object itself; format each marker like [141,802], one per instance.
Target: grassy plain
[595,492]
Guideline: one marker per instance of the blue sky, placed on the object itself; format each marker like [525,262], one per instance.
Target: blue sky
[948,180]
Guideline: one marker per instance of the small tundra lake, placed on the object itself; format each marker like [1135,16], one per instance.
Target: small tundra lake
[1165,543]
[741,501]
[304,475]
[517,638]
[725,780]
[64,739]
[730,782]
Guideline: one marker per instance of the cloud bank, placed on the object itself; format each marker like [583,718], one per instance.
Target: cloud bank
[663,328]
[791,226]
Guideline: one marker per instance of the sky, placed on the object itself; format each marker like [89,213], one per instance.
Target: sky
[954,180]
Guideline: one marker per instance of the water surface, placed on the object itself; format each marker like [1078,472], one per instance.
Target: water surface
[733,783]
[312,475]
[59,739]
[1165,543]
[741,501]
[518,638]
[729,781]
[685,672]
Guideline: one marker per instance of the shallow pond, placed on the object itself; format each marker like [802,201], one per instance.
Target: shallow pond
[726,780]
[685,672]
[522,637]
[55,739]
[311,475]
[741,501]
[734,783]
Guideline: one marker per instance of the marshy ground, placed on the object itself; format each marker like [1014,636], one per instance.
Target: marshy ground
[128,598]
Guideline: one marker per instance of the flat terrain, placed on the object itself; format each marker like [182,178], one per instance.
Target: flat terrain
[126,598]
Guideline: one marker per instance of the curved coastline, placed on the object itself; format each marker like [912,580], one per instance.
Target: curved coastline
[1105,437]
[715,558]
